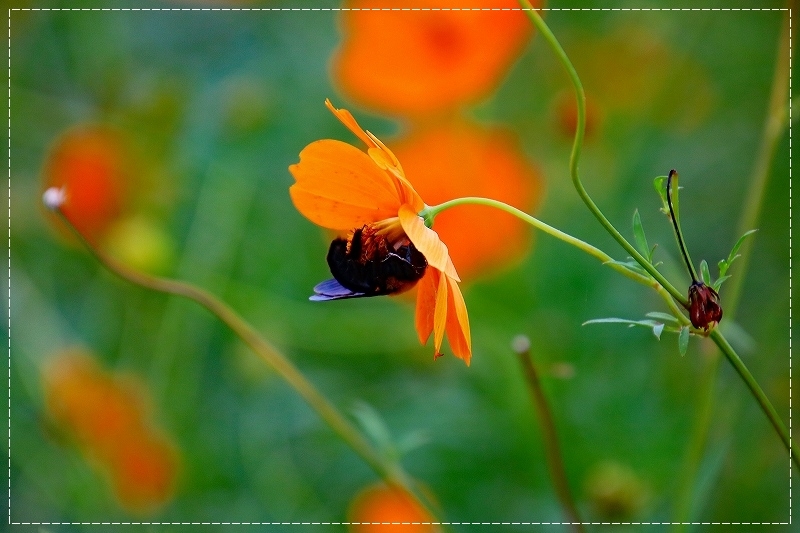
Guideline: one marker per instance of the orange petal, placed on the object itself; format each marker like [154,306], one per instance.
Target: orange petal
[427,241]
[349,120]
[440,315]
[382,156]
[457,158]
[417,62]
[458,323]
[339,187]
[426,303]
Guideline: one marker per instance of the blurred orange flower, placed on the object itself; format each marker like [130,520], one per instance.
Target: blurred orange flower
[339,187]
[108,417]
[91,164]
[457,159]
[380,504]
[417,62]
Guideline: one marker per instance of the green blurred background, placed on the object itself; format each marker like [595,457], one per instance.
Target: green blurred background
[215,107]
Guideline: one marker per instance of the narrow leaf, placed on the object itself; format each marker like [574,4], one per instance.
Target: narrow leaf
[629,265]
[683,340]
[612,320]
[411,442]
[723,267]
[704,272]
[662,316]
[738,245]
[719,282]
[373,425]
[657,329]
[659,184]
[638,235]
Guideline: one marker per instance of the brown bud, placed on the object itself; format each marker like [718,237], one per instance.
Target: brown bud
[704,309]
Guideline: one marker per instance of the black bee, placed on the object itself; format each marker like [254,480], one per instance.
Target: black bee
[367,264]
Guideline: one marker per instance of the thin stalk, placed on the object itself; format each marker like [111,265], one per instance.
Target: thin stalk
[676,224]
[430,212]
[390,472]
[555,462]
[759,395]
[774,128]
[716,335]
[580,97]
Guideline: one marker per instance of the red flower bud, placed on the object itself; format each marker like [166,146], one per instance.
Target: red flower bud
[704,309]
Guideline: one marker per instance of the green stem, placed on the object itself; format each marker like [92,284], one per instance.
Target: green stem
[774,128]
[759,395]
[390,472]
[430,212]
[718,338]
[580,97]
[555,461]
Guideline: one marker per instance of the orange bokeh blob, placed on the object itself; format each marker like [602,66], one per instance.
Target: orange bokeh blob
[92,165]
[107,415]
[457,159]
[143,470]
[381,504]
[419,62]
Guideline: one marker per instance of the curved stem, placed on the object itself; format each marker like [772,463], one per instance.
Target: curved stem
[390,472]
[718,338]
[774,128]
[759,395]
[430,212]
[580,97]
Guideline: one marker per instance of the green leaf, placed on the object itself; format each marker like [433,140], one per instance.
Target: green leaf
[612,320]
[725,264]
[683,340]
[630,265]
[723,267]
[656,327]
[412,441]
[719,282]
[660,185]
[638,235]
[735,249]
[373,425]
[662,316]
[704,272]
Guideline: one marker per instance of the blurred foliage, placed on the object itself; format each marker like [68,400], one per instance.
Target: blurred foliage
[214,106]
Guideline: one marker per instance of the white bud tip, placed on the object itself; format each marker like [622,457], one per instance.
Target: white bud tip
[53,198]
[521,344]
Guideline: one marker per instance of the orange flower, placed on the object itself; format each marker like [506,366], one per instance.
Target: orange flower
[457,159]
[108,418]
[91,164]
[417,62]
[339,187]
[375,507]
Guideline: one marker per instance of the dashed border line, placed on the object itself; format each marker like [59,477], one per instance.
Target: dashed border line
[400,523]
[323,9]
[790,266]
